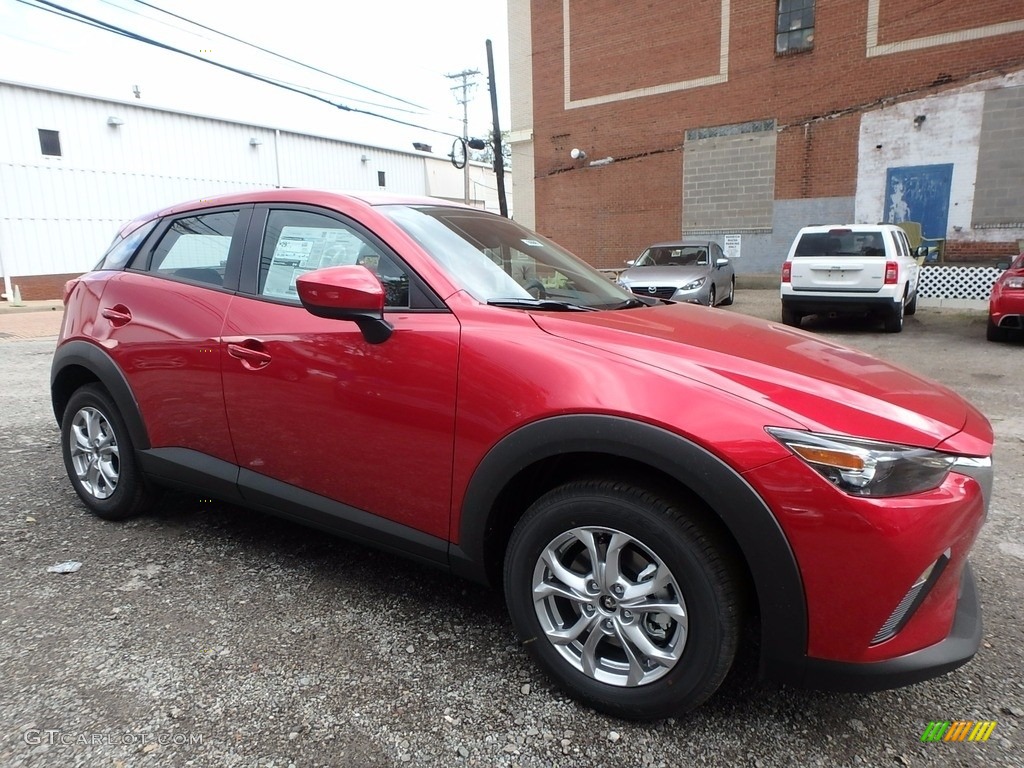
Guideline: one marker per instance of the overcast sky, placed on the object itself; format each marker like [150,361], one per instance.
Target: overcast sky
[401,48]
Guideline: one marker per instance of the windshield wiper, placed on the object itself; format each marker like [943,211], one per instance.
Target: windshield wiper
[634,302]
[549,305]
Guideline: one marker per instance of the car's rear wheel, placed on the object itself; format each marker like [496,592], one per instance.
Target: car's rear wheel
[894,320]
[626,601]
[100,458]
[912,306]
[731,295]
[791,317]
[994,333]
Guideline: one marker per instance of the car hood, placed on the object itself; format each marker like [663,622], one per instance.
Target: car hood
[824,386]
[663,275]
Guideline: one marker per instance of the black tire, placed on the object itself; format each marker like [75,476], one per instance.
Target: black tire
[731,296]
[660,545]
[711,296]
[111,486]
[791,317]
[894,320]
[911,308]
[994,333]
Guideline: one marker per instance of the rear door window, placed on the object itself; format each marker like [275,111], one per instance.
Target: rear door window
[200,248]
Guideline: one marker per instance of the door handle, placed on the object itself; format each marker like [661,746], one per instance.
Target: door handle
[118,315]
[252,359]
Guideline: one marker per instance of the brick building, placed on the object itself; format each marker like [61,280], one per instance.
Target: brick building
[752,118]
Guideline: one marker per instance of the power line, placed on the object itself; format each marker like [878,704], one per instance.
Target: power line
[278,55]
[107,27]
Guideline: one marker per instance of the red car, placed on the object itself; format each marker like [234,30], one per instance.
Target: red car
[1006,304]
[641,478]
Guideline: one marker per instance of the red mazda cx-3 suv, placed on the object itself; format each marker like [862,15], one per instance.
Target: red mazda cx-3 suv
[641,478]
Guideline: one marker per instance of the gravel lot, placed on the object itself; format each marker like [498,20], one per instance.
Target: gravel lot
[209,635]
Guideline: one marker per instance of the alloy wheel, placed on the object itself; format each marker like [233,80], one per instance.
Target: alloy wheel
[94,452]
[610,606]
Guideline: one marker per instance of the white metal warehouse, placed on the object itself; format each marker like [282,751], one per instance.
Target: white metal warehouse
[73,168]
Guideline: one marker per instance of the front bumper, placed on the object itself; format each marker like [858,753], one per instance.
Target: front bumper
[956,649]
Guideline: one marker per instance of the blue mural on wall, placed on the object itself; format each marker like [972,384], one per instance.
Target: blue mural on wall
[919,193]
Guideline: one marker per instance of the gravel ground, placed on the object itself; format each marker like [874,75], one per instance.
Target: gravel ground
[208,635]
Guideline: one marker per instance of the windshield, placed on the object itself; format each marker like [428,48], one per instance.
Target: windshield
[497,260]
[673,256]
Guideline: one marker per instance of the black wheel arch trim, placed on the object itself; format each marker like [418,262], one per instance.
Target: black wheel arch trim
[95,360]
[762,543]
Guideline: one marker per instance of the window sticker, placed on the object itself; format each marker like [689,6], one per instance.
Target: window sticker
[303,249]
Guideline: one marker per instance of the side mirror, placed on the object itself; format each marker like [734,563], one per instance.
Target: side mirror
[922,250]
[1003,265]
[347,293]
[721,262]
[630,262]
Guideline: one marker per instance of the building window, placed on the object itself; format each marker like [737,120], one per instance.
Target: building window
[49,142]
[380,179]
[795,28]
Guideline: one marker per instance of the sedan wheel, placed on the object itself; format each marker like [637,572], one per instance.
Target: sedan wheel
[711,296]
[625,601]
[99,456]
[731,295]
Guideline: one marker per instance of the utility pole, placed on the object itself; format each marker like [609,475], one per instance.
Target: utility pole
[465,87]
[499,158]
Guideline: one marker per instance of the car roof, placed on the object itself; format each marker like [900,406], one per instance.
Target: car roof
[322,197]
[851,227]
[678,243]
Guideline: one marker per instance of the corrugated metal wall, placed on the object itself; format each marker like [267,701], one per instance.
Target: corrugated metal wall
[58,214]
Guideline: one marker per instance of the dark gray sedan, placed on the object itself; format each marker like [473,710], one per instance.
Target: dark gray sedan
[695,271]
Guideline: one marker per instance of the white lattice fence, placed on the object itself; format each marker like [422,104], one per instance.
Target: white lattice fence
[963,283]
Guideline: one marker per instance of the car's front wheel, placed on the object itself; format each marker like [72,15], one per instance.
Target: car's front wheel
[100,458]
[711,296]
[731,295]
[627,601]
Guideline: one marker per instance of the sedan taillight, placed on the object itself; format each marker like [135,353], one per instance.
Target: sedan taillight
[787,271]
[892,273]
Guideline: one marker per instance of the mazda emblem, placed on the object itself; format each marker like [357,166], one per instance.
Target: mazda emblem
[652,289]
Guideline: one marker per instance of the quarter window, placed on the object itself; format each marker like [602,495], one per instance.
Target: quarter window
[297,242]
[794,30]
[196,248]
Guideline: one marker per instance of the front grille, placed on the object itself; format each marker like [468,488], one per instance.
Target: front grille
[658,292]
[914,597]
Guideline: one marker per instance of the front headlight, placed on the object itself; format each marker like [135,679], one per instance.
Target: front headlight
[865,468]
[692,286]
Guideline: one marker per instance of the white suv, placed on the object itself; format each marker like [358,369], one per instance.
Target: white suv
[850,269]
